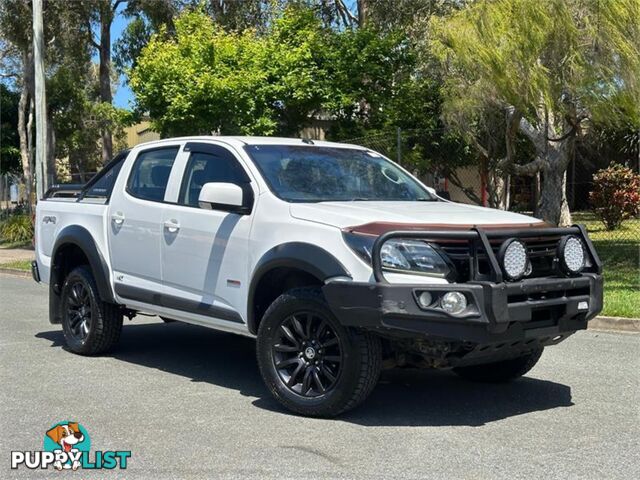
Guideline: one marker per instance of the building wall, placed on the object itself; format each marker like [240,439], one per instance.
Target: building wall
[140,133]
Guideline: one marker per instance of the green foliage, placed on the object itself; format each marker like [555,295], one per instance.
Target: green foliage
[570,57]
[274,80]
[204,80]
[615,195]
[16,229]
[9,142]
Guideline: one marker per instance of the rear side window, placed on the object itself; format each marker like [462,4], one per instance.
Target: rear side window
[101,186]
[150,173]
[217,165]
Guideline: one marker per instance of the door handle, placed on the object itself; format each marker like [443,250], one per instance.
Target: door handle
[118,218]
[172,226]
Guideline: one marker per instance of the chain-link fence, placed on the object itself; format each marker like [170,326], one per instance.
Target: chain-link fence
[470,182]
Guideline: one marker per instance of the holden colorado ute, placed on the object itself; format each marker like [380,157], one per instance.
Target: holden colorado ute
[338,260]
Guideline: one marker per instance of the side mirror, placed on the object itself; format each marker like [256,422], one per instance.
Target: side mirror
[227,197]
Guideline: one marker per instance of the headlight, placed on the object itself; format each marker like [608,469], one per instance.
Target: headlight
[413,256]
[513,258]
[407,256]
[571,254]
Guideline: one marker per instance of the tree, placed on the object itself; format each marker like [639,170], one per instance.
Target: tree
[551,67]
[16,32]
[9,142]
[205,79]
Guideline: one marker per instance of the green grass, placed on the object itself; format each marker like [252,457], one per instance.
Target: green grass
[4,244]
[620,254]
[24,265]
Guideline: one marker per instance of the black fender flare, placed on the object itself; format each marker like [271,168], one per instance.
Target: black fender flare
[298,255]
[81,238]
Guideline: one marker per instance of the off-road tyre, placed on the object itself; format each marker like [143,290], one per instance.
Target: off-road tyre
[103,319]
[360,352]
[502,371]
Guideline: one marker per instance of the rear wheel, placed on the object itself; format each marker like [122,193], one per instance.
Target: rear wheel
[502,371]
[90,326]
[311,363]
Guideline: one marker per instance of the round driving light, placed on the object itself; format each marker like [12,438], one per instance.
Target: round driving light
[453,303]
[513,257]
[425,299]
[571,254]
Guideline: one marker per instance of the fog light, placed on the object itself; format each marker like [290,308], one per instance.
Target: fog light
[583,306]
[425,299]
[453,303]
[571,254]
[513,257]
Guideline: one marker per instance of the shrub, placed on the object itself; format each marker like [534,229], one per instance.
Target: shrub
[16,229]
[616,195]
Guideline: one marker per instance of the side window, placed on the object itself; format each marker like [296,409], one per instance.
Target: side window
[217,165]
[102,184]
[150,173]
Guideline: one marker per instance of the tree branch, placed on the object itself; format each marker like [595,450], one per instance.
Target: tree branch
[116,4]
[483,151]
[563,137]
[532,133]
[471,195]
[530,168]
[347,17]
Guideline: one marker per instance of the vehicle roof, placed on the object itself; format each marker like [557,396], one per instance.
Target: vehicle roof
[248,140]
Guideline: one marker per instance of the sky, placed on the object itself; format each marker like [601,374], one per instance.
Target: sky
[123,96]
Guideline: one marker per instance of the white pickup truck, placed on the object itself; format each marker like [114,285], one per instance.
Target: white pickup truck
[338,260]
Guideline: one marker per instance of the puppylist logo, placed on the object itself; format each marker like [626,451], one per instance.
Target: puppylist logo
[67,447]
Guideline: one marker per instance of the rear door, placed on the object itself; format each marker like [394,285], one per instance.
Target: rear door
[205,252]
[135,225]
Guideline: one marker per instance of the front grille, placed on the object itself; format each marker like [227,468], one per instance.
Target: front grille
[470,256]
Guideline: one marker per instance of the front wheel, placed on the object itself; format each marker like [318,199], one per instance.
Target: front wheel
[502,371]
[311,363]
[90,326]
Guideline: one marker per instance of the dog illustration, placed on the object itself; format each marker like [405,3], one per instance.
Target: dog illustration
[66,436]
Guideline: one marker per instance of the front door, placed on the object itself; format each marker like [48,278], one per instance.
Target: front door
[204,252]
[135,226]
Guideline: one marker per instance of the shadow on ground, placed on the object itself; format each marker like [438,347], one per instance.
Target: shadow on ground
[404,397]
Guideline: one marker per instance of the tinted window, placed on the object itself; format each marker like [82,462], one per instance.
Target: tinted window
[102,184]
[150,174]
[326,174]
[218,165]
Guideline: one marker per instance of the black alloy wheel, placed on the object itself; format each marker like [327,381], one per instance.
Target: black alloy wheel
[307,354]
[79,310]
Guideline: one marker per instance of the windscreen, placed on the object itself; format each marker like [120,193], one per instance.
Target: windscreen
[328,174]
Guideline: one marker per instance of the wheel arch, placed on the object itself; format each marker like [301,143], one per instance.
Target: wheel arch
[76,246]
[285,266]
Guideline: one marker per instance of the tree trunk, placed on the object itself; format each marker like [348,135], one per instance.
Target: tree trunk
[106,17]
[553,206]
[496,190]
[552,151]
[40,102]
[30,132]
[23,123]
[51,152]
[363,12]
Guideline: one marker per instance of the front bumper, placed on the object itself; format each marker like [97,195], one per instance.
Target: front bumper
[505,317]
[530,309]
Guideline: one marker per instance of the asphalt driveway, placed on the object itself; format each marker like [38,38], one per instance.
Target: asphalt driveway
[189,403]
